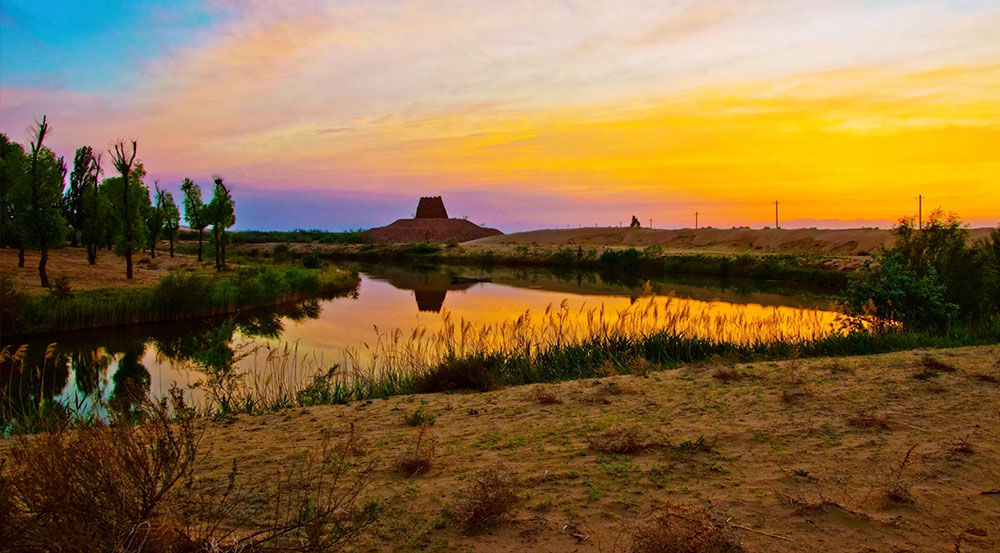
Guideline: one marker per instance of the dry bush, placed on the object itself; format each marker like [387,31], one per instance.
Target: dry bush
[602,392]
[122,487]
[962,446]
[487,500]
[677,528]
[727,374]
[865,418]
[418,459]
[641,366]
[795,387]
[626,438]
[896,486]
[545,396]
[930,363]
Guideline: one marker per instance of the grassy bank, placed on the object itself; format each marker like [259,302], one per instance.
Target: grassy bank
[648,263]
[177,296]
[611,355]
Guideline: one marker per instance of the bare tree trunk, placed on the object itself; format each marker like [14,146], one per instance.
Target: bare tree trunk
[20,255]
[41,265]
[201,233]
[92,254]
[218,258]
[171,246]
[128,265]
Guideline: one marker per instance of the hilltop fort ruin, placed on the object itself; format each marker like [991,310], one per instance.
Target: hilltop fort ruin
[431,224]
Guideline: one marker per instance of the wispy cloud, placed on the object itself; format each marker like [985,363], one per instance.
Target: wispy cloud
[728,103]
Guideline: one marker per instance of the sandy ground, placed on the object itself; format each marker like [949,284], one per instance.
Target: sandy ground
[799,454]
[109,270]
[846,242]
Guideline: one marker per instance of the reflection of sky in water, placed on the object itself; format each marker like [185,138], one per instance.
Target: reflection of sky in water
[351,322]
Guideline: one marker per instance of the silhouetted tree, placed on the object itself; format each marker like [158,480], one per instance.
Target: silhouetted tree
[38,199]
[72,202]
[635,222]
[194,210]
[129,224]
[154,222]
[94,212]
[13,170]
[221,215]
[126,214]
[171,216]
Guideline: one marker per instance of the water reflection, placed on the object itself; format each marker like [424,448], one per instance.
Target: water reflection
[117,365]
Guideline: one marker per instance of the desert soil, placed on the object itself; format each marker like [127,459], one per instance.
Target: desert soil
[109,271]
[797,455]
[846,242]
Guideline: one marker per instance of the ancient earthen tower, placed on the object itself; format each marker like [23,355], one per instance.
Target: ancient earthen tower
[431,208]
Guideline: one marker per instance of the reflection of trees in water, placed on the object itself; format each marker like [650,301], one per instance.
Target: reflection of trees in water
[207,343]
[131,381]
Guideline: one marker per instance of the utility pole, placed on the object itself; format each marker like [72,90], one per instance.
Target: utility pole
[650,222]
[920,212]
[776,225]
[695,220]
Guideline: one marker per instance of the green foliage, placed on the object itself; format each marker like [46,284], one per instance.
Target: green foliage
[313,260]
[155,220]
[419,418]
[891,291]
[73,205]
[177,296]
[930,277]
[221,215]
[298,236]
[13,171]
[37,201]
[130,230]
[171,216]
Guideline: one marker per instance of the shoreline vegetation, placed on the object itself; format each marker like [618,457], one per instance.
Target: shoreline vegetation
[177,296]
[648,263]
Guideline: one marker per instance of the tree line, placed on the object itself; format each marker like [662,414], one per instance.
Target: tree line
[39,211]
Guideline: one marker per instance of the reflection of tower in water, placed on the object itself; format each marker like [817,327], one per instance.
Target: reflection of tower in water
[430,300]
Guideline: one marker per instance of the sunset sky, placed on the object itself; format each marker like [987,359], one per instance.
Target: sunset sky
[528,114]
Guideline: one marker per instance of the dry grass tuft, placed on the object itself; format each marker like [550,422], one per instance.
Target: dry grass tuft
[627,438]
[418,459]
[487,500]
[986,377]
[930,363]
[545,396]
[865,418]
[727,374]
[795,387]
[684,529]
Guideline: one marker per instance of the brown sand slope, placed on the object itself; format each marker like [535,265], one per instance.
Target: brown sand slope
[430,230]
[798,241]
[803,450]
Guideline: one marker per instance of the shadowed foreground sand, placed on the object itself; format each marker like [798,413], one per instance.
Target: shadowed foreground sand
[800,454]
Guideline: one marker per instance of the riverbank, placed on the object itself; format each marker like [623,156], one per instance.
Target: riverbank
[179,295]
[616,262]
[801,455]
